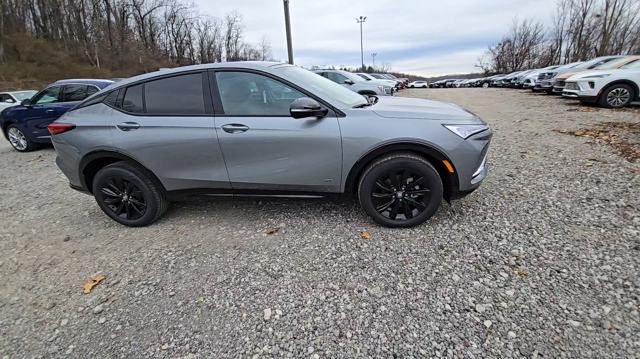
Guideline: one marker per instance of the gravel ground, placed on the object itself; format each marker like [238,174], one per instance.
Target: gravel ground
[542,261]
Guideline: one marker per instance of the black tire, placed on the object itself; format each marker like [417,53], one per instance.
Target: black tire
[21,143]
[129,195]
[616,96]
[414,199]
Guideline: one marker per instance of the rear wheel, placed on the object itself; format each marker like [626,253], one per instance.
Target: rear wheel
[128,195]
[18,140]
[400,190]
[617,96]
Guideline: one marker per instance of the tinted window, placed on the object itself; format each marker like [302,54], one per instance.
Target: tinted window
[336,77]
[6,98]
[73,93]
[49,95]
[111,98]
[175,95]
[248,94]
[91,90]
[132,101]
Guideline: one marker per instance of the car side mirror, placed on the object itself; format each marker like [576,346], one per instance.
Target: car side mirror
[304,107]
[26,102]
[348,82]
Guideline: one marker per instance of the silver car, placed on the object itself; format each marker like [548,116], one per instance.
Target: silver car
[266,128]
[356,83]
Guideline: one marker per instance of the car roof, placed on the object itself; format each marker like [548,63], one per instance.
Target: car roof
[102,83]
[255,65]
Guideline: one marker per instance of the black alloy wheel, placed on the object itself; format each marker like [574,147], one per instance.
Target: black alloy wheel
[123,198]
[129,194]
[400,190]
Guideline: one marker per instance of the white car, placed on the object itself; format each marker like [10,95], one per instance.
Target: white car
[368,77]
[13,98]
[422,84]
[609,88]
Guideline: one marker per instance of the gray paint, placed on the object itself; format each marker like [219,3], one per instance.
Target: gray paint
[277,153]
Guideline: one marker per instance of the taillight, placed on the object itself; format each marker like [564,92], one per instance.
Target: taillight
[58,128]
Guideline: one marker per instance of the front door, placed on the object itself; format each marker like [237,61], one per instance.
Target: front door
[45,107]
[264,147]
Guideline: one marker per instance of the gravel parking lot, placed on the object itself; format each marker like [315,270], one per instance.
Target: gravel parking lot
[542,261]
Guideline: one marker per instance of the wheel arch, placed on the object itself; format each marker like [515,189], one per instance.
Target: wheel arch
[92,162]
[630,83]
[434,156]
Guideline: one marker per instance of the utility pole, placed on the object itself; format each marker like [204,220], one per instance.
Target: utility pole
[360,21]
[287,24]
[373,59]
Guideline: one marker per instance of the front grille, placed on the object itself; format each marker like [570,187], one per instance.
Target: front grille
[560,83]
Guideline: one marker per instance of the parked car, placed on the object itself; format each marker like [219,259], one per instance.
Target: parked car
[356,83]
[387,82]
[25,125]
[12,98]
[266,128]
[545,80]
[486,82]
[422,84]
[529,80]
[399,83]
[609,88]
[600,63]
[439,83]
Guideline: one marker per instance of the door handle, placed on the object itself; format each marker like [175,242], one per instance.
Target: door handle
[127,126]
[235,128]
[49,111]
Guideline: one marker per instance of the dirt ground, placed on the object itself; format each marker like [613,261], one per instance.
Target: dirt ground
[542,261]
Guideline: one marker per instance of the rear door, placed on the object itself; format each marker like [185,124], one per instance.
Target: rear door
[264,147]
[167,124]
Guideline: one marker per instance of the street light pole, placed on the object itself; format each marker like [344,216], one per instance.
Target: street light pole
[373,59]
[360,21]
[287,25]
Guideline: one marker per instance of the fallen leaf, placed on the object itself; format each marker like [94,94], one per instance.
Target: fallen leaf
[365,235]
[271,231]
[94,281]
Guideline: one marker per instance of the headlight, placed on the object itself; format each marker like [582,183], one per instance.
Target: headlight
[596,76]
[466,131]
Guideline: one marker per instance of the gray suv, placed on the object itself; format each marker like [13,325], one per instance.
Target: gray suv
[356,83]
[266,128]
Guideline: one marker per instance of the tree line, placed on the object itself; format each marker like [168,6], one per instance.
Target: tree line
[123,34]
[580,30]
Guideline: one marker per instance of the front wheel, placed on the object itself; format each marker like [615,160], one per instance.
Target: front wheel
[18,140]
[400,190]
[128,195]
[616,96]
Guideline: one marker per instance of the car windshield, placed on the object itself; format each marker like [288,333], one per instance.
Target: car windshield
[613,64]
[364,77]
[23,95]
[635,64]
[595,63]
[323,87]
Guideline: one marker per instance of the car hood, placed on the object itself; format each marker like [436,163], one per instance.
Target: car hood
[584,74]
[405,107]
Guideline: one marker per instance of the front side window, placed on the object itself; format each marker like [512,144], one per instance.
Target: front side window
[181,94]
[50,95]
[72,93]
[249,94]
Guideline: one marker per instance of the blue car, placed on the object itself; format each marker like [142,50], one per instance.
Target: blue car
[25,125]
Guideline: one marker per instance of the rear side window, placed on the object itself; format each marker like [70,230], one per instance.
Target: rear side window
[72,93]
[132,101]
[91,90]
[175,95]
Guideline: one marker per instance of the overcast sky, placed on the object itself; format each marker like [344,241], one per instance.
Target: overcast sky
[426,37]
